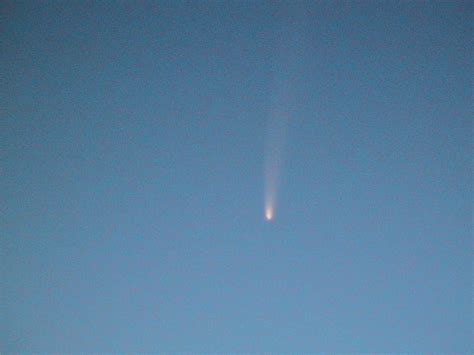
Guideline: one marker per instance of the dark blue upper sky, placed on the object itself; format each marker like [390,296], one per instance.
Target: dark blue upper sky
[132,151]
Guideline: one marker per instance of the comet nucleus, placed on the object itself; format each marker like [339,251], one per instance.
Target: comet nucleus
[268,214]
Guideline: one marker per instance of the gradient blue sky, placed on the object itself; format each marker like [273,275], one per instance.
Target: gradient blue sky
[132,148]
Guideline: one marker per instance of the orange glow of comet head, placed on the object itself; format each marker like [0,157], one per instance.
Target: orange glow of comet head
[268,214]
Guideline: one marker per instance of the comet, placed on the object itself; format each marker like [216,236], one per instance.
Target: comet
[285,69]
[274,152]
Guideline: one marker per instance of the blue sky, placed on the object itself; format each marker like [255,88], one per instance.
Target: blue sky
[132,139]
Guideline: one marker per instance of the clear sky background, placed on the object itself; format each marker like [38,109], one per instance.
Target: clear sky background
[132,150]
